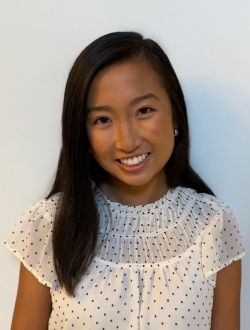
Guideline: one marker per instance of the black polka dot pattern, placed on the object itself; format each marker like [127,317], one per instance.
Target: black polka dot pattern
[156,268]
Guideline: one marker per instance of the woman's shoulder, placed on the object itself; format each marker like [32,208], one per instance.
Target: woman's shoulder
[204,200]
[37,219]
[44,209]
[205,208]
[48,204]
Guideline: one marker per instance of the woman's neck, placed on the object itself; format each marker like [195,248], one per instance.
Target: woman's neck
[134,195]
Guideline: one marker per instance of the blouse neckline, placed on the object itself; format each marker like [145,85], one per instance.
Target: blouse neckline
[116,206]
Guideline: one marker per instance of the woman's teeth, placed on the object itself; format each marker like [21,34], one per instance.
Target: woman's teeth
[134,160]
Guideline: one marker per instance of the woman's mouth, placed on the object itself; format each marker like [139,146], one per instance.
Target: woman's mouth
[134,160]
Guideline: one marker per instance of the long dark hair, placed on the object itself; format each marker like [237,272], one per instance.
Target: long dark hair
[76,224]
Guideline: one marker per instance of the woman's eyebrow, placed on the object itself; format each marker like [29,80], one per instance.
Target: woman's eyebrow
[99,108]
[142,98]
[133,102]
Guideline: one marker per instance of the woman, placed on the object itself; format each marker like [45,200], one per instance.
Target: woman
[130,237]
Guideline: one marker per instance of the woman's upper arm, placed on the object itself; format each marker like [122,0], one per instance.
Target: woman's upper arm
[226,305]
[33,303]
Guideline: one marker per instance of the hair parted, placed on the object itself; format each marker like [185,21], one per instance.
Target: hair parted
[76,224]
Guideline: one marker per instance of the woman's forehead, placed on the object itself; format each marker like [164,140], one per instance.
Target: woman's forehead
[131,79]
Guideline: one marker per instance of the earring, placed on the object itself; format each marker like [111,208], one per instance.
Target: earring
[176,131]
[90,151]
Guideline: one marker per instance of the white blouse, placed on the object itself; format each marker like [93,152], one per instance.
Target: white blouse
[156,268]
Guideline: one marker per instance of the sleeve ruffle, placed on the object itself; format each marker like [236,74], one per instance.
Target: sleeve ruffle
[31,241]
[221,243]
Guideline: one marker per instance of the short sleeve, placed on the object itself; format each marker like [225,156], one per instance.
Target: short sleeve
[221,243]
[31,241]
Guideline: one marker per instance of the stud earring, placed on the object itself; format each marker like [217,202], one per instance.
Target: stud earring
[176,131]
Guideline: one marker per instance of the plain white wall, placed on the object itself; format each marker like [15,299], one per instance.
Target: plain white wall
[209,46]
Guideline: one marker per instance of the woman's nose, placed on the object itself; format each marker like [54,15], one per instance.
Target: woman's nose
[127,137]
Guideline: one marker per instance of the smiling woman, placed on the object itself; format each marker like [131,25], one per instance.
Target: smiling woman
[129,236]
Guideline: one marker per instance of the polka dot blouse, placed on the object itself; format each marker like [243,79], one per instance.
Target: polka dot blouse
[156,268]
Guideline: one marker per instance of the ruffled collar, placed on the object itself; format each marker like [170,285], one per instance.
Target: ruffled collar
[115,206]
[128,220]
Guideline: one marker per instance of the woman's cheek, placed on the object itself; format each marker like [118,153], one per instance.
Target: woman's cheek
[100,141]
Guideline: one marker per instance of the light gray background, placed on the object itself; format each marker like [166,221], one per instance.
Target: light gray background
[208,43]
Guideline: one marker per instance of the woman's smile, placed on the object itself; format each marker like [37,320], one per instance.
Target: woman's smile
[133,163]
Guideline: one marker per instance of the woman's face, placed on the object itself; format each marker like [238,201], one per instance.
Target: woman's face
[130,125]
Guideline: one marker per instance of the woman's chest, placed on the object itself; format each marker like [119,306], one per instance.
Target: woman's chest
[167,295]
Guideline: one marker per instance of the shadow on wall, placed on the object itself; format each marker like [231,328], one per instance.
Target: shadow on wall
[219,119]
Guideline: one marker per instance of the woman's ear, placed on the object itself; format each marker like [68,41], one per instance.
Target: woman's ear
[175,127]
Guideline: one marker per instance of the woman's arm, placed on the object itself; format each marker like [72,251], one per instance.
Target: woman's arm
[33,303]
[226,306]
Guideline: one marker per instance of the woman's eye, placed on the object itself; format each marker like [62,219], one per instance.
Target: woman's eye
[102,120]
[145,110]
